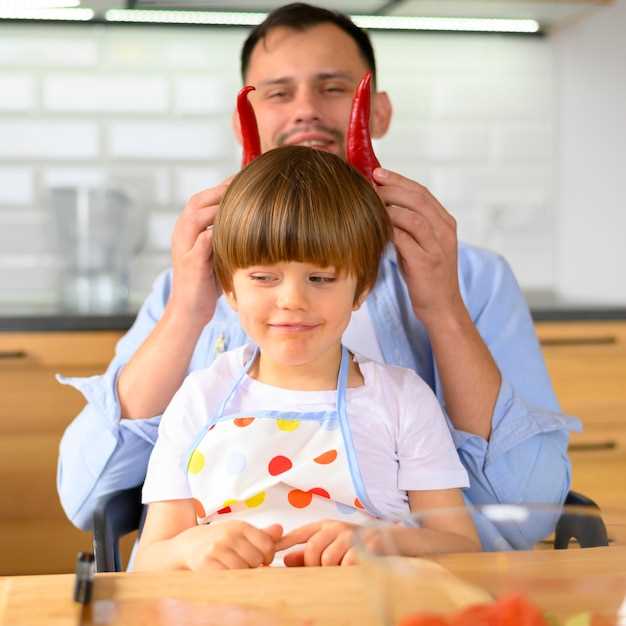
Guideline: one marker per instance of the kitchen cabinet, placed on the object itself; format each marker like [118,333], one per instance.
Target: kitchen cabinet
[587,364]
[35,535]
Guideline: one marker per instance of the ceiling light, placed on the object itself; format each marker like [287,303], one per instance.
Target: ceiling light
[217,18]
[71,15]
[220,18]
[37,4]
[467,24]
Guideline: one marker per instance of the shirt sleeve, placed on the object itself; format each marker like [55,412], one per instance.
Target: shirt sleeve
[528,429]
[166,478]
[426,453]
[100,453]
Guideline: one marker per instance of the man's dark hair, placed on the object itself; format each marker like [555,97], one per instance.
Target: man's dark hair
[301,16]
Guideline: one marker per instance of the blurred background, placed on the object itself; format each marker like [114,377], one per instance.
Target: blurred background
[522,137]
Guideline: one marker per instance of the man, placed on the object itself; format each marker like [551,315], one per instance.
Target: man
[451,312]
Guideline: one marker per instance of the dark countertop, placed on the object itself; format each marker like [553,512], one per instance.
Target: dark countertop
[545,306]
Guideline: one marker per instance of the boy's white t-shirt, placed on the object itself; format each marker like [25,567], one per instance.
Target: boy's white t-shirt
[401,438]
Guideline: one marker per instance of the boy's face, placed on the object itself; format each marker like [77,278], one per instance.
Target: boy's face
[305,81]
[295,312]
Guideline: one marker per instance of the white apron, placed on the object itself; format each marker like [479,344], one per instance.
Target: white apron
[266,467]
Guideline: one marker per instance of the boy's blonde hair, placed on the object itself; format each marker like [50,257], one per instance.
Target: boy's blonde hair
[300,204]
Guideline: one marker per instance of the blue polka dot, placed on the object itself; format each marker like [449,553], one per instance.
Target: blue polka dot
[236,463]
[345,509]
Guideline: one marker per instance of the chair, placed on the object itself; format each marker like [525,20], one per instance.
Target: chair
[588,530]
[117,514]
[121,512]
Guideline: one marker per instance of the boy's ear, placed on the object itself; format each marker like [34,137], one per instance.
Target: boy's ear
[360,300]
[232,300]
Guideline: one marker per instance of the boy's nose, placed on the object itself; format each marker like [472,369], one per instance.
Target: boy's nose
[291,296]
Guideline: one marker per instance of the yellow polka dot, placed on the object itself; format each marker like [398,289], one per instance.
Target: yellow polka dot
[196,463]
[255,500]
[287,425]
[229,502]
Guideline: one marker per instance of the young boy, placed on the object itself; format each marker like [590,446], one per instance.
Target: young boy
[291,442]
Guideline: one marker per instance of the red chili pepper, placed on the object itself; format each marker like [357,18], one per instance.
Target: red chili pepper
[359,145]
[249,128]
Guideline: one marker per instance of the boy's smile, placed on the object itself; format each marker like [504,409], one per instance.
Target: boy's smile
[296,313]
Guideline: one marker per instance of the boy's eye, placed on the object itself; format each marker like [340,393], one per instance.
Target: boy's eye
[262,278]
[322,280]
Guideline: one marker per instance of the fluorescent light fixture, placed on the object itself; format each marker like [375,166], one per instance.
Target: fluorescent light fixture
[467,24]
[38,4]
[220,18]
[70,15]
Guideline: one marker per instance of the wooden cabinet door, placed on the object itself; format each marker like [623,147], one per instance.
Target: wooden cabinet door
[35,535]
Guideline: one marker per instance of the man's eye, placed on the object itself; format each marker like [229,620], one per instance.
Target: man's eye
[262,278]
[334,89]
[277,95]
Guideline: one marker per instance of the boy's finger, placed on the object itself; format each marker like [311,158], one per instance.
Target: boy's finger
[262,541]
[298,535]
[294,559]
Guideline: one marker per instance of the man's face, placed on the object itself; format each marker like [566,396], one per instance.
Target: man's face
[305,82]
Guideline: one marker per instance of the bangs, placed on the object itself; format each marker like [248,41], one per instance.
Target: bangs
[298,204]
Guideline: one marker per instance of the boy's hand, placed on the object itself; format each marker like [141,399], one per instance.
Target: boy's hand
[195,291]
[228,545]
[328,542]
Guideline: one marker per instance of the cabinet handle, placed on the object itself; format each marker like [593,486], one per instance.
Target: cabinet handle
[607,340]
[12,354]
[590,447]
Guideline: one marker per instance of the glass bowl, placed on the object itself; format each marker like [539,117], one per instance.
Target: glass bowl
[577,586]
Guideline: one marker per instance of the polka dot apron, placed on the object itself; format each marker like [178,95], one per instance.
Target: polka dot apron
[266,467]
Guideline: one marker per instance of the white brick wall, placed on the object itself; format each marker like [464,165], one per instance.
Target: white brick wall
[151,108]
[91,93]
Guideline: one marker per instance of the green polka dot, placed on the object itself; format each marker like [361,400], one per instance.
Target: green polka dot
[196,463]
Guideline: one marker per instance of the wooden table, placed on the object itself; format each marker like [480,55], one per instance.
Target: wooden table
[562,581]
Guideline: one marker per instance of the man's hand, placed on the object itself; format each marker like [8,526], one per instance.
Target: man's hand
[195,290]
[426,242]
[328,542]
[227,545]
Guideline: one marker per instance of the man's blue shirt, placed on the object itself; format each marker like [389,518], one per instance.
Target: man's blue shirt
[524,460]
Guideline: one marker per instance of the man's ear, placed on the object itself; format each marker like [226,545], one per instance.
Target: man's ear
[360,300]
[236,123]
[381,114]
[232,300]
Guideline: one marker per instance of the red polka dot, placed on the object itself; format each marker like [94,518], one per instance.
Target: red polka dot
[225,510]
[278,465]
[326,458]
[318,491]
[357,504]
[299,499]
[242,422]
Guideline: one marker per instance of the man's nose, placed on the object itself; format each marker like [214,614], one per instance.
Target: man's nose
[306,106]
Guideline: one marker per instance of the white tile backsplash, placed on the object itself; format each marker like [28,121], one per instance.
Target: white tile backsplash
[473,120]
[17,92]
[106,93]
[49,139]
[168,140]
[16,185]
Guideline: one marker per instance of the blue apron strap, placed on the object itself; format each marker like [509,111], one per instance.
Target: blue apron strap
[342,414]
[246,367]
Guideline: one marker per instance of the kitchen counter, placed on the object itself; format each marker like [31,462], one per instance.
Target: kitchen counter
[545,306]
